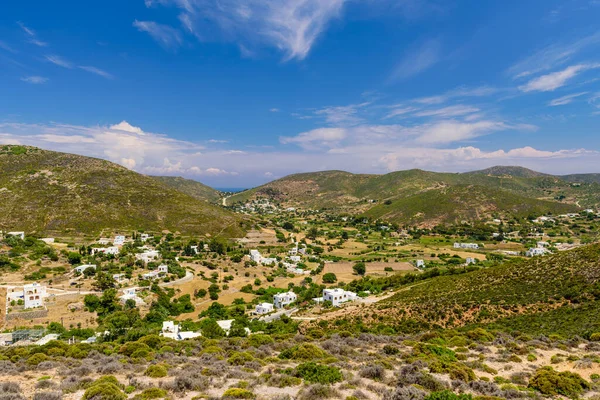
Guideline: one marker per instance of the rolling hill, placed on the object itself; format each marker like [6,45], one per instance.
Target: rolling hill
[426,198]
[191,188]
[48,192]
[554,294]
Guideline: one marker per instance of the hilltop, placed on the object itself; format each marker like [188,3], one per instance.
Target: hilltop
[49,192]
[190,187]
[426,198]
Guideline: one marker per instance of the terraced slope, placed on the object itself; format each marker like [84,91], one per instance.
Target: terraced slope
[50,192]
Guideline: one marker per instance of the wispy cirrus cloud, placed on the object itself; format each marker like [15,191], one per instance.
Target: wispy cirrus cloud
[58,60]
[418,60]
[555,80]
[35,79]
[291,26]
[33,39]
[96,71]
[553,56]
[450,111]
[166,36]
[561,101]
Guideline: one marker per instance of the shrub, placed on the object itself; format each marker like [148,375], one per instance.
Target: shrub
[152,393]
[240,358]
[306,351]
[37,358]
[237,393]
[104,391]
[156,371]
[405,393]
[259,340]
[448,395]
[375,372]
[595,337]
[48,396]
[317,392]
[550,382]
[317,373]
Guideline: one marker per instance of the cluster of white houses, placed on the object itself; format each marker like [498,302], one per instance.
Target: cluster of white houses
[291,263]
[539,250]
[336,296]
[471,246]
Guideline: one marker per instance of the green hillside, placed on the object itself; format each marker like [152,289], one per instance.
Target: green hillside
[191,188]
[554,294]
[48,192]
[430,197]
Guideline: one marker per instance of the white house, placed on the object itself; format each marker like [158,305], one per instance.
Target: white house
[17,234]
[536,251]
[338,296]
[226,326]
[471,260]
[268,261]
[264,308]
[106,250]
[473,246]
[103,241]
[293,252]
[131,294]
[33,295]
[83,267]
[119,240]
[119,278]
[543,244]
[144,237]
[283,299]
[147,256]
[295,259]
[48,240]
[255,256]
[420,263]
[172,331]
[163,269]
[150,275]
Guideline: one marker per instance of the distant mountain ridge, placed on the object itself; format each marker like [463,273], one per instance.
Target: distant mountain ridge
[49,192]
[428,198]
[191,187]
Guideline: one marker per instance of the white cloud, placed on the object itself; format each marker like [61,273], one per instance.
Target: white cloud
[57,60]
[342,115]
[166,36]
[127,127]
[274,110]
[292,26]
[36,80]
[555,80]
[28,31]
[38,42]
[32,35]
[5,46]
[96,71]
[552,56]
[450,111]
[400,111]
[316,137]
[418,60]
[561,101]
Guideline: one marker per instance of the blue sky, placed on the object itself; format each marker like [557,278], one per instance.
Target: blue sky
[236,93]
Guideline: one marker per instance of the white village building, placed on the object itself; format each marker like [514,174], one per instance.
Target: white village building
[144,237]
[106,250]
[119,240]
[536,251]
[471,260]
[264,308]
[420,263]
[338,296]
[148,256]
[17,234]
[131,294]
[33,295]
[83,267]
[255,256]
[473,246]
[281,300]
[173,331]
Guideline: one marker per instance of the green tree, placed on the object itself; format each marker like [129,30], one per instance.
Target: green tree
[211,330]
[359,268]
[74,258]
[329,278]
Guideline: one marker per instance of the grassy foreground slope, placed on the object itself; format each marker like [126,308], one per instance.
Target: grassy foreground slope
[190,187]
[554,287]
[48,192]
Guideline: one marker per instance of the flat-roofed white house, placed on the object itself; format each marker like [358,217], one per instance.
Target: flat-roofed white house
[473,246]
[163,269]
[471,260]
[147,256]
[48,240]
[295,259]
[264,308]
[268,261]
[119,278]
[83,267]
[281,300]
[17,234]
[255,256]
[536,251]
[338,296]
[119,240]
[131,294]
[33,295]
[106,250]
[103,241]
[420,263]
[144,237]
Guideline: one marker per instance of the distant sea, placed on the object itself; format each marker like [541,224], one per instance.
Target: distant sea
[233,190]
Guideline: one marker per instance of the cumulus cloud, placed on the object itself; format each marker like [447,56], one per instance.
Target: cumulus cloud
[316,137]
